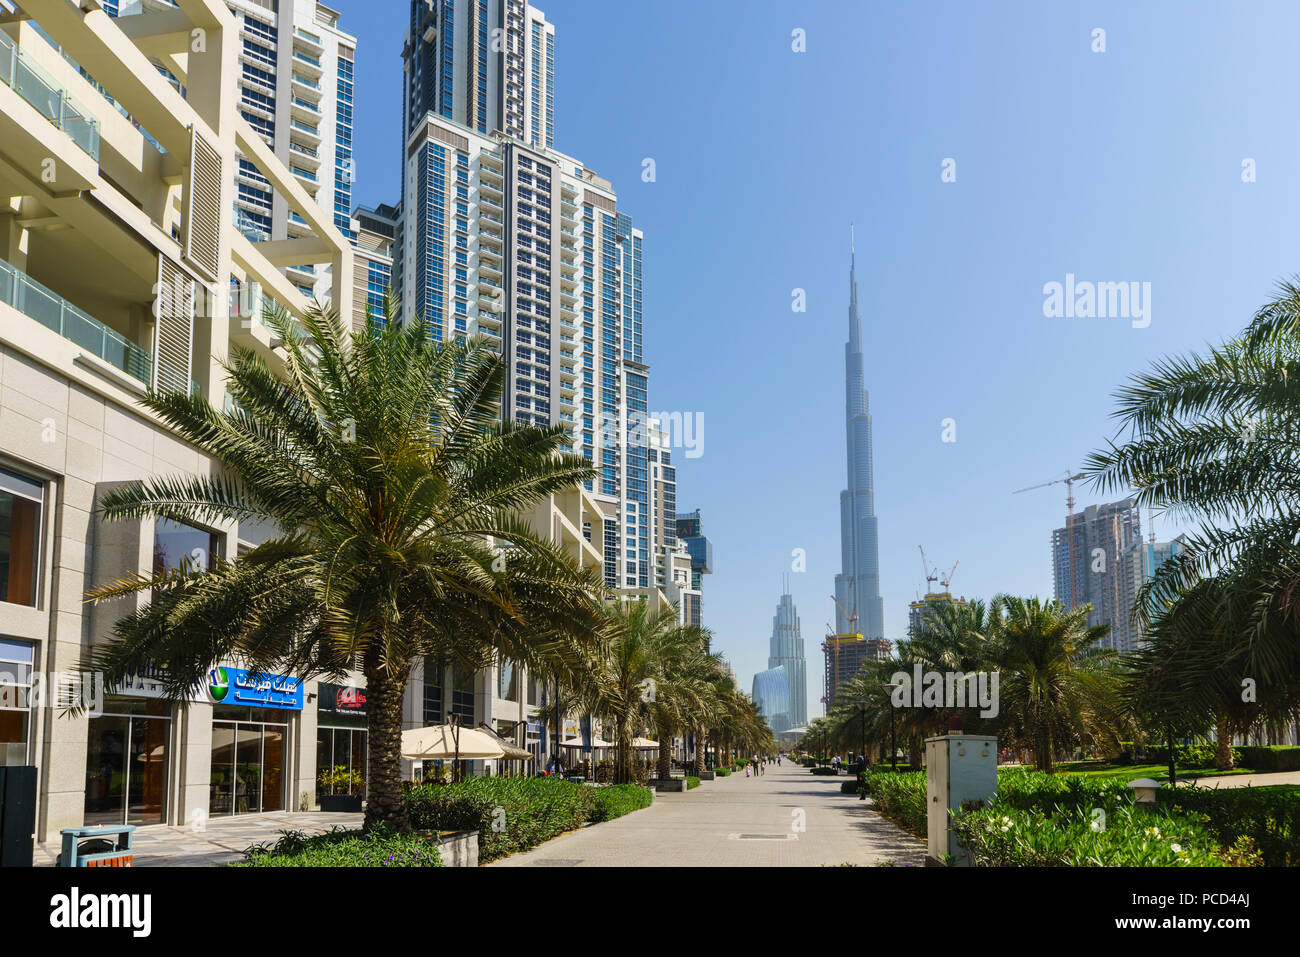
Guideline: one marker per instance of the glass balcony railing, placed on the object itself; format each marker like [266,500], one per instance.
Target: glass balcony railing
[33,300]
[21,74]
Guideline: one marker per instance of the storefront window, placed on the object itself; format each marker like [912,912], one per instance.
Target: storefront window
[340,741]
[341,758]
[20,523]
[15,700]
[127,758]
[248,756]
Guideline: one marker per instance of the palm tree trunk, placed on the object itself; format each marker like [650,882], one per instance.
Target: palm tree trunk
[385,688]
[1223,744]
[665,753]
[699,754]
[623,765]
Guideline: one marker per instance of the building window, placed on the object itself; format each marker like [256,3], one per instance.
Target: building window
[507,680]
[15,701]
[21,499]
[433,693]
[178,547]
[126,762]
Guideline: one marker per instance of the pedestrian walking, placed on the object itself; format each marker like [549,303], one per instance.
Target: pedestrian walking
[746,770]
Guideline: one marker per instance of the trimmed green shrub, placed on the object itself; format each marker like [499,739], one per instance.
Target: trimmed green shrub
[722,772]
[533,810]
[380,847]
[900,797]
[619,799]
[692,782]
[1268,817]
[849,787]
[1260,758]
[1001,836]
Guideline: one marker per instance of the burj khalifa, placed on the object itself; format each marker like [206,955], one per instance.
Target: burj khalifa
[857,587]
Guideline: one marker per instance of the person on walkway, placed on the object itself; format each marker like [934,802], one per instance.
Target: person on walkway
[746,770]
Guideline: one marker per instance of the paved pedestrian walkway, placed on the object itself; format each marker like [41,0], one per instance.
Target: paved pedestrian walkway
[220,841]
[786,818]
[1246,780]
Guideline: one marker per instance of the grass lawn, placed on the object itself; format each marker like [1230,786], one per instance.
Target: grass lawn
[1129,772]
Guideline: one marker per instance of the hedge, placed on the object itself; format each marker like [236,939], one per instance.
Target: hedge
[1247,825]
[692,782]
[1269,817]
[380,847]
[1260,758]
[510,814]
[619,799]
[999,836]
[722,772]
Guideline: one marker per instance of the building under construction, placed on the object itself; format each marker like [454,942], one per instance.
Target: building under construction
[916,609]
[845,655]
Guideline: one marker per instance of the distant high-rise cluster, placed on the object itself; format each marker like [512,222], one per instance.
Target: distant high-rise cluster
[786,652]
[1099,558]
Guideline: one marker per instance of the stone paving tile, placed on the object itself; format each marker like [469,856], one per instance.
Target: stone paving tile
[222,841]
[703,827]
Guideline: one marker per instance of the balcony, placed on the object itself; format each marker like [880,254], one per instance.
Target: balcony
[24,77]
[308,65]
[305,131]
[25,294]
[307,41]
[300,109]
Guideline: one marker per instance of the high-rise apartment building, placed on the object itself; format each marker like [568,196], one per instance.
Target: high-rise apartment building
[295,89]
[374,236]
[114,279]
[500,235]
[486,65]
[690,533]
[786,651]
[1089,560]
[1140,565]
[674,574]
[859,608]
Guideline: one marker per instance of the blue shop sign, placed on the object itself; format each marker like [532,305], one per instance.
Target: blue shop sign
[254,689]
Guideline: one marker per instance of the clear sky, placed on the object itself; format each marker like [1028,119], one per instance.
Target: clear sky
[1120,166]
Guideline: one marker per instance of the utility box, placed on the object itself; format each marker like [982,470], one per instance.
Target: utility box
[960,770]
[17,815]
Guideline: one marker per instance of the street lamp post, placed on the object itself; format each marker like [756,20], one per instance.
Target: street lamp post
[893,740]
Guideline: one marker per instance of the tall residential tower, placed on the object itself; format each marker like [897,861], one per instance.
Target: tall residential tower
[857,587]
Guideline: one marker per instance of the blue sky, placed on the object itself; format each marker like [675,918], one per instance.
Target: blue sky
[1122,166]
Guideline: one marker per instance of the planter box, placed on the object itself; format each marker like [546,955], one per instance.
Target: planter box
[341,803]
[671,784]
[456,848]
[705,775]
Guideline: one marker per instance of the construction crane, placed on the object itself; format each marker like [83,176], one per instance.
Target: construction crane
[930,576]
[946,582]
[1069,481]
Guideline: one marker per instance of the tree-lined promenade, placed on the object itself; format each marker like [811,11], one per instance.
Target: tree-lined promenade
[395,490]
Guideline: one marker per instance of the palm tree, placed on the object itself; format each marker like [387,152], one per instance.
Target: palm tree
[1216,437]
[1054,683]
[380,459]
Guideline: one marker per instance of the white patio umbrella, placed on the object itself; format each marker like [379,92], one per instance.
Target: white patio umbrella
[644,744]
[442,741]
[595,743]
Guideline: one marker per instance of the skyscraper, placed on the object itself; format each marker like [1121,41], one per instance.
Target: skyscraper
[488,65]
[772,694]
[690,532]
[503,236]
[857,587]
[786,651]
[1092,550]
